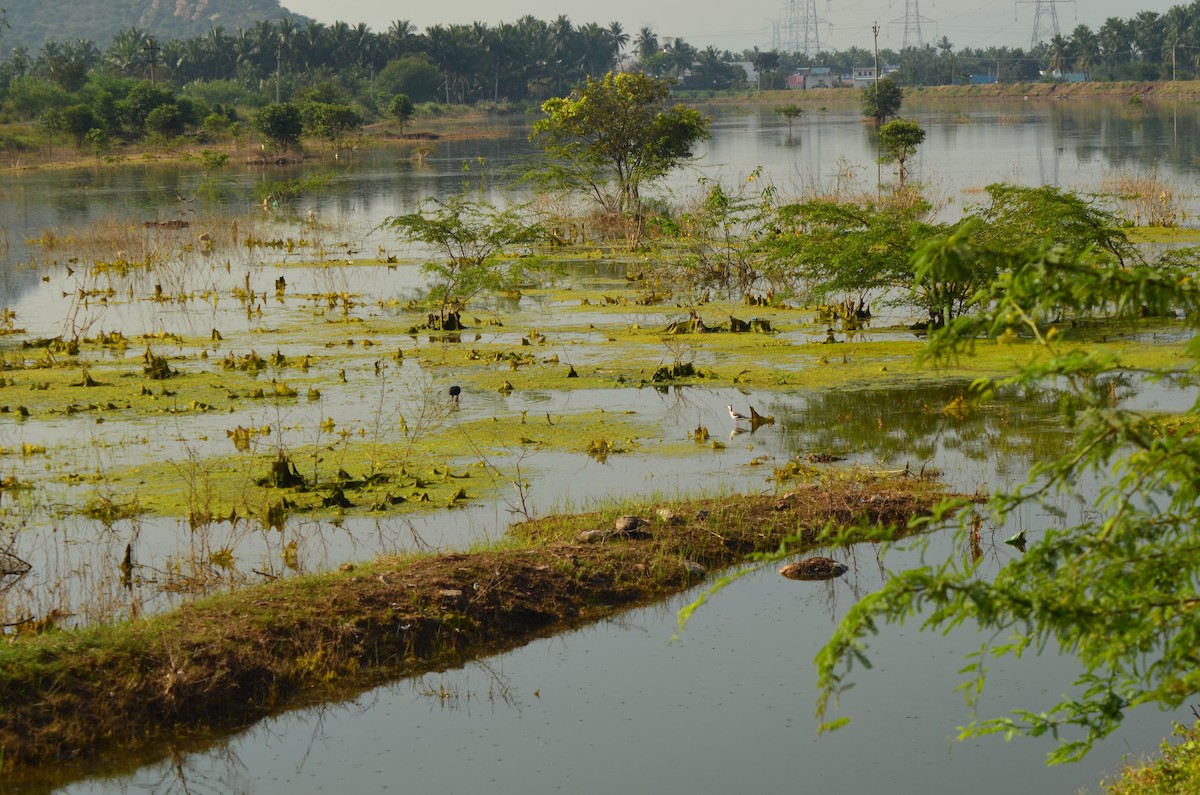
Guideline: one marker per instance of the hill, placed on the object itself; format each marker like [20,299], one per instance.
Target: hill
[36,21]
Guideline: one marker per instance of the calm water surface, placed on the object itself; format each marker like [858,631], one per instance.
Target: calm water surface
[729,704]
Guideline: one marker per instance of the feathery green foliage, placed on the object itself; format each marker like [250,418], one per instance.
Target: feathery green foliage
[481,248]
[1119,590]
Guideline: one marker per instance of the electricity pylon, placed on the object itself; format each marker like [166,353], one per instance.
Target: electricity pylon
[797,31]
[1045,19]
[912,25]
[812,41]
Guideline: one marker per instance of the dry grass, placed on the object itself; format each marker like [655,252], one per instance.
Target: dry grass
[1145,199]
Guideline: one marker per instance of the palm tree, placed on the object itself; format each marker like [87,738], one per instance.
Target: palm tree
[1148,36]
[266,42]
[361,47]
[594,53]
[618,38]
[532,41]
[474,63]
[1116,44]
[313,45]
[339,47]
[502,47]
[287,40]
[562,45]
[682,56]
[1085,46]
[646,43]
[1177,23]
[125,53]
[218,54]
[184,58]
[245,48]
[68,64]
[1058,51]
[455,51]
[401,37]
[711,70]
[19,60]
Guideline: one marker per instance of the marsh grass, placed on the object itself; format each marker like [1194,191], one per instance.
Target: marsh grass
[1146,199]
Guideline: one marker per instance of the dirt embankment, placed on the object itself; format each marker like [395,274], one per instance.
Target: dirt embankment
[1122,90]
[1174,89]
[71,695]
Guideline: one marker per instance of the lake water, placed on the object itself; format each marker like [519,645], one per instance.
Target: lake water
[620,705]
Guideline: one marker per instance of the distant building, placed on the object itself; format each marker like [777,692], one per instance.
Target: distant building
[797,80]
[1070,77]
[751,75]
[820,77]
[863,76]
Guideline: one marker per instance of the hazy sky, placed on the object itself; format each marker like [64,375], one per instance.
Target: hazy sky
[738,24]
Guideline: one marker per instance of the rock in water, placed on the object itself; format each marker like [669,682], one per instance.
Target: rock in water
[814,569]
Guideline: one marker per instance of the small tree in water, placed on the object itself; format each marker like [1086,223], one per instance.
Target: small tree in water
[791,112]
[898,141]
[482,249]
[615,135]
[280,124]
[401,109]
[881,100]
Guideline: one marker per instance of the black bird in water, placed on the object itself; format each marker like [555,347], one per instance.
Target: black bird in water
[455,391]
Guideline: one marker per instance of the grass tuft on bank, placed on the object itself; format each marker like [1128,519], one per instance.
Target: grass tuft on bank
[1175,772]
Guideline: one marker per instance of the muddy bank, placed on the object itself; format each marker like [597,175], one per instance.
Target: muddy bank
[69,696]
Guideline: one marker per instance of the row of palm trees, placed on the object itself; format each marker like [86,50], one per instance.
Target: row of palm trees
[532,58]
[1145,46]
[471,58]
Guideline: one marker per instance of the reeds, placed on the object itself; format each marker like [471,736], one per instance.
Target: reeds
[1145,199]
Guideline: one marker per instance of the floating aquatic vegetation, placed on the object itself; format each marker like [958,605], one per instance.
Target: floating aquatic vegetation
[601,449]
[157,367]
[108,510]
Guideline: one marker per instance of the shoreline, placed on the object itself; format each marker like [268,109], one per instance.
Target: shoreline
[473,123]
[72,697]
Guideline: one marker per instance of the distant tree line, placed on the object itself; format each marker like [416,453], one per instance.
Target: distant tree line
[140,86]
[533,59]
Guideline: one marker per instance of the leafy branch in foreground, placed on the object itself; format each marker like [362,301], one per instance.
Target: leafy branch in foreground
[1119,592]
